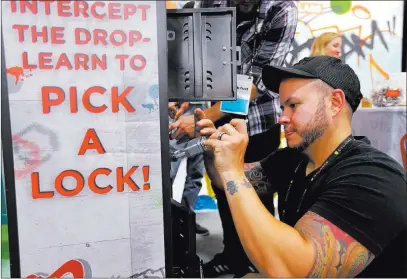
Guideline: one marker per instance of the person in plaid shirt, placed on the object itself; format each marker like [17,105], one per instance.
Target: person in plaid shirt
[265,31]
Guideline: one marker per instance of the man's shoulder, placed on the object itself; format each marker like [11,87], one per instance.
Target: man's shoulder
[363,156]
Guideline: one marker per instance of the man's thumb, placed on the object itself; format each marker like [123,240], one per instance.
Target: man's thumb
[200,113]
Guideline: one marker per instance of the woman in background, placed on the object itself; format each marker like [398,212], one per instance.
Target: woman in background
[328,44]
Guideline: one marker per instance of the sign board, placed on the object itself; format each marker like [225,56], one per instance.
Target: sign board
[84,84]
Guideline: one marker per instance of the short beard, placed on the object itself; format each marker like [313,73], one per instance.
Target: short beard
[315,128]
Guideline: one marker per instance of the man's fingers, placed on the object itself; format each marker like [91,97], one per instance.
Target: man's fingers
[177,133]
[184,106]
[224,136]
[205,123]
[173,125]
[200,113]
[178,114]
[207,131]
[182,109]
[240,125]
[212,143]
[229,129]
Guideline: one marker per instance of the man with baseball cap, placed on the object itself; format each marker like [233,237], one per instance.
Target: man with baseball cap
[342,203]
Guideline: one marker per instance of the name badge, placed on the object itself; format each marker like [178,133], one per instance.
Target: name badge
[241,105]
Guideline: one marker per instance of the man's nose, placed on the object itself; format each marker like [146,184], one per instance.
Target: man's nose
[283,120]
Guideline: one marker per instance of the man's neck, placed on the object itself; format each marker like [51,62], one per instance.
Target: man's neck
[325,145]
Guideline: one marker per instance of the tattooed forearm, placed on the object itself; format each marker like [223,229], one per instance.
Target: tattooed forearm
[246,183]
[258,179]
[232,187]
[336,253]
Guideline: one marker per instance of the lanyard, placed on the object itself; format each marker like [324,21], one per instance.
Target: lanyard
[330,159]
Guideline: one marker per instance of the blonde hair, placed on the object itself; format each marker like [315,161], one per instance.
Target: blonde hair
[319,44]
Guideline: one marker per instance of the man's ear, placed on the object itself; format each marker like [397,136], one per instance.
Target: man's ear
[338,101]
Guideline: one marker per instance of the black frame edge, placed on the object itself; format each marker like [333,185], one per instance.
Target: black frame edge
[404,45]
[165,158]
[8,166]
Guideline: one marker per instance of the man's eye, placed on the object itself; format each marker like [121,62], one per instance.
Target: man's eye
[293,106]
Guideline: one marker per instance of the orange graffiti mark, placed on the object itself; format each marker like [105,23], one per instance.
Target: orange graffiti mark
[170,5]
[33,162]
[77,268]
[364,40]
[310,8]
[18,73]
[363,9]
[403,145]
[373,64]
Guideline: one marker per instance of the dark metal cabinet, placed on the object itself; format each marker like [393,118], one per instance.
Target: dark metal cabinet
[201,54]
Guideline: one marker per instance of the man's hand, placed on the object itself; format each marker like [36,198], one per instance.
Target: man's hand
[185,126]
[207,129]
[229,145]
[177,110]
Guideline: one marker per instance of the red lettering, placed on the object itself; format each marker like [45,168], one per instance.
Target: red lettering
[125,179]
[64,8]
[63,61]
[32,6]
[79,62]
[92,181]
[78,40]
[35,34]
[43,58]
[113,38]
[86,99]
[129,10]
[96,62]
[57,35]
[140,59]
[121,57]
[134,37]
[20,29]
[73,100]
[117,99]
[95,144]
[47,6]
[25,62]
[93,10]
[80,8]
[35,186]
[143,9]
[99,35]
[47,102]
[80,183]
[13,6]
[112,9]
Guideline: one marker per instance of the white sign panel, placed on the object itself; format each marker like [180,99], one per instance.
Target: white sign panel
[83,96]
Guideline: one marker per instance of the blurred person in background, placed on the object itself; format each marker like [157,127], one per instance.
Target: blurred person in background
[328,44]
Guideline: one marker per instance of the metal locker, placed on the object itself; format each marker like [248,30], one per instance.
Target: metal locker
[201,54]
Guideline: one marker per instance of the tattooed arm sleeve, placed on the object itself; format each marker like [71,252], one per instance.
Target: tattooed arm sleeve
[258,179]
[336,253]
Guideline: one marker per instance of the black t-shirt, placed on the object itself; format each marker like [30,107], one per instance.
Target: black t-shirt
[362,191]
